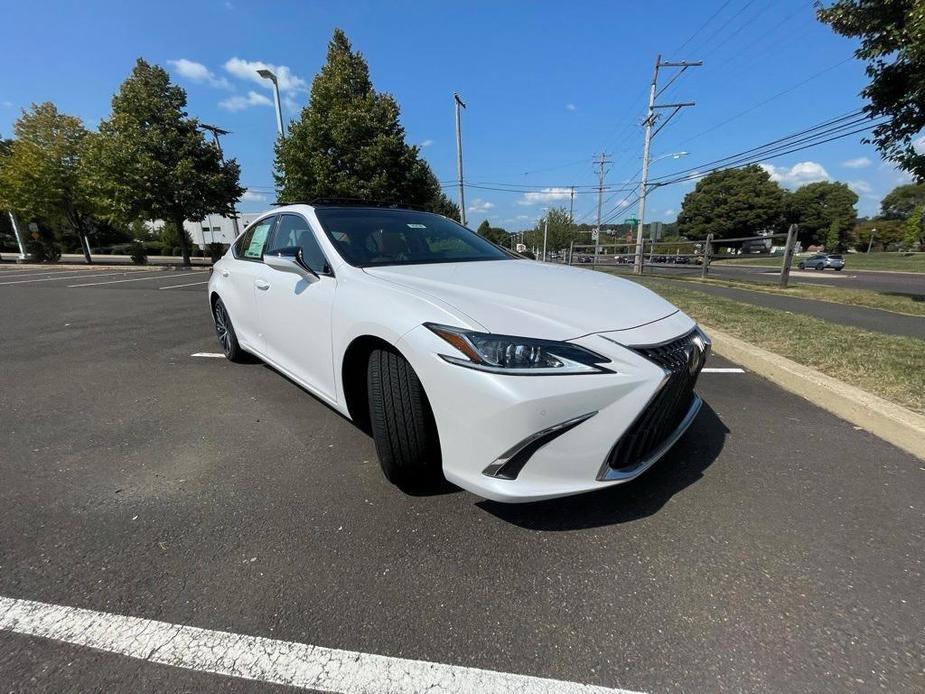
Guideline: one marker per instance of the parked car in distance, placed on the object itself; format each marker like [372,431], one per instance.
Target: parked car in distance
[821,261]
[463,360]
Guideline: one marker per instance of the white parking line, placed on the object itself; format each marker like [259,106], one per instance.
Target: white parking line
[177,286]
[262,659]
[214,355]
[63,276]
[159,274]
[718,370]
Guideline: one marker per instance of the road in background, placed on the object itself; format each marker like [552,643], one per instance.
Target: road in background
[776,548]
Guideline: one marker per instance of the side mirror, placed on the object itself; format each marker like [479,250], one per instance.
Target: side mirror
[289,260]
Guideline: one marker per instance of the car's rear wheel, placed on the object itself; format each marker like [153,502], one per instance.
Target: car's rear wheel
[402,421]
[226,335]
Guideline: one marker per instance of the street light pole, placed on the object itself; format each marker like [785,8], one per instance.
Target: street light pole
[216,133]
[459,160]
[871,242]
[269,75]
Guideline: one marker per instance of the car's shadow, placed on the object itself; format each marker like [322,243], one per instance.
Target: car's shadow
[681,467]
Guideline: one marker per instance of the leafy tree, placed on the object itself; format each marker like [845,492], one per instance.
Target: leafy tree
[885,232]
[41,175]
[825,212]
[151,160]
[892,34]
[915,228]
[902,200]
[732,203]
[560,233]
[494,234]
[349,143]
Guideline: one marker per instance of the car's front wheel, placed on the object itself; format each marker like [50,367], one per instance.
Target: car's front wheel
[820,267]
[226,335]
[402,421]
[802,266]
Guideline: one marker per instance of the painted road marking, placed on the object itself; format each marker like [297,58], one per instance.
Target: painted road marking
[70,277]
[177,286]
[718,370]
[158,274]
[262,659]
[215,355]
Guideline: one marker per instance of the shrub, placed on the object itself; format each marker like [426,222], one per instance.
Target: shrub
[43,251]
[139,256]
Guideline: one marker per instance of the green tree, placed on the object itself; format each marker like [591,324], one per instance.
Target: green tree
[902,200]
[494,234]
[41,175]
[151,160]
[885,232]
[892,34]
[915,228]
[825,212]
[732,203]
[349,143]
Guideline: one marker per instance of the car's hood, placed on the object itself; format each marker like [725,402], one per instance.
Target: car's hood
[527,298]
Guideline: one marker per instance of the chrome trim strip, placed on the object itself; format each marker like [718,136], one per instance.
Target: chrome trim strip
[517,456]
[608,474]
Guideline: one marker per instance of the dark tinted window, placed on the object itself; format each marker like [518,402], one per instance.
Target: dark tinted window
[250,245]
[293,231]
[367,236]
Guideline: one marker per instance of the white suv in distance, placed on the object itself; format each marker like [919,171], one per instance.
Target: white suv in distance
[513,379]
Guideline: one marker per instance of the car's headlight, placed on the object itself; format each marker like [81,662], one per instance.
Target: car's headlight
[518,356]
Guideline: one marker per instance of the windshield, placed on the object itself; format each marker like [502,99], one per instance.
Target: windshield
[369,237]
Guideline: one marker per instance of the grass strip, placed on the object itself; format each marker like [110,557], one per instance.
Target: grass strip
[905,304]
[886,365]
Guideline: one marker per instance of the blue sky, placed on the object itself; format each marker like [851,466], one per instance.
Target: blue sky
[548,84]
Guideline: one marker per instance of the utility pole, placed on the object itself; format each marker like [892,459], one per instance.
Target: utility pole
[651,117]
[571,206]
[216,133]
[871,242]
[545,234]
[602,160]
[459,160]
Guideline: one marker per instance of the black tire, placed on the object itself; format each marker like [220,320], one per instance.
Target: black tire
[802,266]
[402,421]
[820,267]
[838,269]
[226,335]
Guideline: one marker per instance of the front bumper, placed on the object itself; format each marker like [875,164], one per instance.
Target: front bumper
[483,419]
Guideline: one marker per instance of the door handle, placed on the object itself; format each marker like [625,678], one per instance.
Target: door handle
[261,284]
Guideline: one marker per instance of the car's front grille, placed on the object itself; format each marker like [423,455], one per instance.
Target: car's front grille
[682,360]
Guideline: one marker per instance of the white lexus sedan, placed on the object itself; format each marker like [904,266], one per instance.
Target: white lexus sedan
[514,379]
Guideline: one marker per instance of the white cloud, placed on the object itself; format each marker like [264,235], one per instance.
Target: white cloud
[919,145]
[247,70]
[197,72]
[668,212]
[571,107]
[239,103]
[427,143]
[522,216]
[858,163]
[545,195]
[479,205]
[252,196]
[290,104]
[798,174]
[860,187]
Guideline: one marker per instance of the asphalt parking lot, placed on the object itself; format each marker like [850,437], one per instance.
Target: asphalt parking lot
[776,548]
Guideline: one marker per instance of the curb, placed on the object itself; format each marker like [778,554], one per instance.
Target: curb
[897,425]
